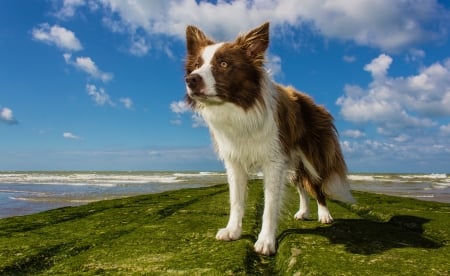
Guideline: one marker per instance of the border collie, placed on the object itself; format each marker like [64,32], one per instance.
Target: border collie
[257,124]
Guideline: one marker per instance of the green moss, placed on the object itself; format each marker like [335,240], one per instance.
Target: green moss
[173,233]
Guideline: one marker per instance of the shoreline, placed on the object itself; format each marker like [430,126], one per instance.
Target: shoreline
[32,192]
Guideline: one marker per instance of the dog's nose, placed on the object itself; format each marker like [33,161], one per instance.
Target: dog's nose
[193,81]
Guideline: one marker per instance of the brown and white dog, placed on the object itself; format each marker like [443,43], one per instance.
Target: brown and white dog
[258,124]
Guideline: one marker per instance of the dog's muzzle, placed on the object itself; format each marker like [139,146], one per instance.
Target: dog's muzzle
[195,84]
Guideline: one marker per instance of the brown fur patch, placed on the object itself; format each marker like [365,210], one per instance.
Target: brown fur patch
[237,78]
[310,128]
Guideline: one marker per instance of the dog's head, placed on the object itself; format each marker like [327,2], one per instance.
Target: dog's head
[217,73]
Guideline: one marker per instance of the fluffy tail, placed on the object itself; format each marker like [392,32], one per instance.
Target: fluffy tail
[337,188]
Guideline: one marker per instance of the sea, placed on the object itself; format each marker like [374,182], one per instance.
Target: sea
[23,193]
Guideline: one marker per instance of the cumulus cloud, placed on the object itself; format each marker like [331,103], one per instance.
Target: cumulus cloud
[7,116]
[385,24]
[379,66]
[410,116]
[87,65]
[399,102]
[57,36]
[70,135]
[99,95]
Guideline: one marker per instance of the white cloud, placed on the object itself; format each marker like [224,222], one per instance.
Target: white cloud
[409,113]
[139,46]
[127,102]
[58,36]
[402,138]
[99,95]
[179,107]
[7,116]
[353,133]
[399,102]
[70,135]
[427,153]
[176,122]
[68,8]
[87,65]
[67,57]
[349,59]
[385,24]
[415,55]
[273,65]
[198,121]
[379,66]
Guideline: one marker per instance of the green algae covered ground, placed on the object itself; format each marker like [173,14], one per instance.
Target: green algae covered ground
[173,233]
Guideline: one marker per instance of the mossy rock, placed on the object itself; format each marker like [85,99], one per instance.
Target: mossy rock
[173,233]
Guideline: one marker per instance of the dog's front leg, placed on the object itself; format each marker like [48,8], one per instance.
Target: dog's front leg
[237,182]
[274,177]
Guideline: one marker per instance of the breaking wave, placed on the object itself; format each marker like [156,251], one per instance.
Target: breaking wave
[438,178]
[81,179]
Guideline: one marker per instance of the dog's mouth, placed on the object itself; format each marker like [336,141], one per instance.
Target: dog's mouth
[200,96]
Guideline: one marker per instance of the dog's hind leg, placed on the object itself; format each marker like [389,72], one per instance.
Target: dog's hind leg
[322,210]
[303,212]
[304,186]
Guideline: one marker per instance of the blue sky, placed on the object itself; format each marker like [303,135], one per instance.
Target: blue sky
[98,84]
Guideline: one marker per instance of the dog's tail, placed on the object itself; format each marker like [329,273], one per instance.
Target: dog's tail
[336,187]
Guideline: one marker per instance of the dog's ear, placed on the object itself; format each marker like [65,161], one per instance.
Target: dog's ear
[196,39]
[256,41]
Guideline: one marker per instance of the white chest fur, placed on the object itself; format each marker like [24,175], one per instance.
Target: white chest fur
[248,137]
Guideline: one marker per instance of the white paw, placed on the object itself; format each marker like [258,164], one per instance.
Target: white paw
[325,217]
[226,234]
[265,246]
[302,215]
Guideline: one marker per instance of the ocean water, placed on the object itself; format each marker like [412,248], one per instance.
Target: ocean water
[429,187]
[24,193]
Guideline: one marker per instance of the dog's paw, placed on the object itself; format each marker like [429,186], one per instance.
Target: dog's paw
[325,217]
[226,234]
[265,246]
[302,215]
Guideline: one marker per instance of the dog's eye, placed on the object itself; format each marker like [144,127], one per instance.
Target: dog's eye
[224,64]
[196,65]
